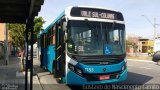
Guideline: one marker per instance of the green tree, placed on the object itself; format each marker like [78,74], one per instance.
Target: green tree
[17,34]
[38,24]
[130,44]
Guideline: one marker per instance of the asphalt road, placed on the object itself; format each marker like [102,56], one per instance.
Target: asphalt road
[142,72]
[139,73]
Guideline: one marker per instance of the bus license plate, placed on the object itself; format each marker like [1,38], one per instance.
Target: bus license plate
[104,77]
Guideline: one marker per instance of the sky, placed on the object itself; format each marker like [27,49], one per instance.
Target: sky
[132,10]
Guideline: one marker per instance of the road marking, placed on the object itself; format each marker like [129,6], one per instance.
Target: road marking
[128,68]
[130,65]
[145,67]
[140,60]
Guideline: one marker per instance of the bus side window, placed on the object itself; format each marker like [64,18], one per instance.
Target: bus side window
[42,41]
[53,34]
[48,38]
[45,40]
[41,44]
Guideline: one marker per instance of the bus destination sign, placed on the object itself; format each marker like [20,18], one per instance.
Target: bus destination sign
[96,13]
[93,14]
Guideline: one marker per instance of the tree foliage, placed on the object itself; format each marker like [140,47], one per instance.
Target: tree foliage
[131,44]
[17,33]
[38,24]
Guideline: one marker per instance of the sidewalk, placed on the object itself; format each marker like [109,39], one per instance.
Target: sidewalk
[139,56]
[10,77]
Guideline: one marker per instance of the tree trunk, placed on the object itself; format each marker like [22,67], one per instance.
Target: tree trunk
[22,60]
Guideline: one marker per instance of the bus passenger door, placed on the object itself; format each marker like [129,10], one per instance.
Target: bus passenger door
[60,52]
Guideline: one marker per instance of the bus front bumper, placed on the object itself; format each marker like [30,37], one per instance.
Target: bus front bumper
[75,79]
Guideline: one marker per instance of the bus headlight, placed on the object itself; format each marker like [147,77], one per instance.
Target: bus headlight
[78,71]
[75,69]
[71,67]
[124,67]
[125,60]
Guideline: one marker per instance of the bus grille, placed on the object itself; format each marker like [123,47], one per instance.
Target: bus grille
[101,60]
[95,77]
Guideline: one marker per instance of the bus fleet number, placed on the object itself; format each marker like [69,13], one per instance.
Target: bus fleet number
[89,69]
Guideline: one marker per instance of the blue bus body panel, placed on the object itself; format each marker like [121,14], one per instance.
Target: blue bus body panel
[51,57]
[75,79]
[99,68]
[49,53]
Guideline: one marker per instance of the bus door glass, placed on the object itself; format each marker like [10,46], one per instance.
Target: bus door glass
[60,51]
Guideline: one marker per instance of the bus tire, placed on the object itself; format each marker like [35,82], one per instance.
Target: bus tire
[59,80]
[53,69]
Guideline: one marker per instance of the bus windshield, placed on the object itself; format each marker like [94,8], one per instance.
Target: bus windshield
[95,38]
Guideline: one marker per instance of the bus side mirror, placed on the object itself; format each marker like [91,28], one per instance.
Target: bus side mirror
[66,38]
[64,26]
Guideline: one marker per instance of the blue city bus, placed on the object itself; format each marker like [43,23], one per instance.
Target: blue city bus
[85,45]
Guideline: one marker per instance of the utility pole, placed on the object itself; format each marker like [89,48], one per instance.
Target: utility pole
[6,45]
[153,24]
[155,33]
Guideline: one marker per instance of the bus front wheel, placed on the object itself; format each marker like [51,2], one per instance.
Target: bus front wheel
[54,70]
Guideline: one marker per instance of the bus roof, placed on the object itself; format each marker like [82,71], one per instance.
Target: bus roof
[46,29]
[55,20]
[96,7]
[66,11]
